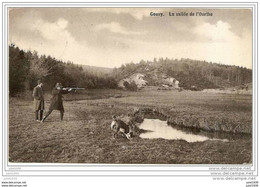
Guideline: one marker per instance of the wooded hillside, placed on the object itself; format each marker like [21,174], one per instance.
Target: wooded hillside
[189,72]
[25,68]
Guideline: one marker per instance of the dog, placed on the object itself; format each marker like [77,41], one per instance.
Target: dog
[118,126]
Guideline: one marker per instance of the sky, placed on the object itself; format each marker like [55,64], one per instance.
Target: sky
[110,37]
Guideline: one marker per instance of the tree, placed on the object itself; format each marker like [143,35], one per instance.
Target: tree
[18,69]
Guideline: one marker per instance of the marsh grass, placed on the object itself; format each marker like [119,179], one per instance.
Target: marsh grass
[85,136]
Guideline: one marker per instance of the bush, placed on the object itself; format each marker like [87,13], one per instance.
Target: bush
[132,86]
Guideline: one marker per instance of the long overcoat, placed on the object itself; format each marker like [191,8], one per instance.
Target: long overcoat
[56,100]
[38,98]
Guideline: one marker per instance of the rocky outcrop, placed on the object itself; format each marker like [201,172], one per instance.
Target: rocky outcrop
[137,78]
[153,79]
[171,82]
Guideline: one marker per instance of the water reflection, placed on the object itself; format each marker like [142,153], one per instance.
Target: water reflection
[156,128]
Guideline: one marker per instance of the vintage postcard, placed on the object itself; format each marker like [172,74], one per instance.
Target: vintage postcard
[153,88]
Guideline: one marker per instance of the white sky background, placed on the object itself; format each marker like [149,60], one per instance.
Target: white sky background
[110,37]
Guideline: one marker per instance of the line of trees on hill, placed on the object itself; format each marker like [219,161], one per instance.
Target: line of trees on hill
[26,67]
[189,73]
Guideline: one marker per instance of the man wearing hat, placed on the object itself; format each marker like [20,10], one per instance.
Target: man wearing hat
[38,101]
[56,100]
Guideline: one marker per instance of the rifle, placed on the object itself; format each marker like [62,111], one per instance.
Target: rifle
[73,88]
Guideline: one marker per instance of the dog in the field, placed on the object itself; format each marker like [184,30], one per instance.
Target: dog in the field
[120,127]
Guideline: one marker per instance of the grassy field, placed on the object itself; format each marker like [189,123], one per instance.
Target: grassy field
[85,136]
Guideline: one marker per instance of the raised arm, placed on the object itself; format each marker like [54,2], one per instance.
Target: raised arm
[65,91]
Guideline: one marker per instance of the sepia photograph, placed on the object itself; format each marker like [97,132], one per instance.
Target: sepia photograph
[130,85]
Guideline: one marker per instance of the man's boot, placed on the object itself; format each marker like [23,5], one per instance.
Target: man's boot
[44,117]
[36,116]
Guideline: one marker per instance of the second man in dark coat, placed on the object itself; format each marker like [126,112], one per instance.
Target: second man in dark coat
[56,101]
[38,100]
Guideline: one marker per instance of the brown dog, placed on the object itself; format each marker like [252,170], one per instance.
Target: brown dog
[118,126]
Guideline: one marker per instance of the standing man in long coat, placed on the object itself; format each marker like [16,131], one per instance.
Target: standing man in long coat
[38,100]
[56,101]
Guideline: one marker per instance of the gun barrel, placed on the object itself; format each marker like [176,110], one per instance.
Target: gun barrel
[75,88]
[78,88]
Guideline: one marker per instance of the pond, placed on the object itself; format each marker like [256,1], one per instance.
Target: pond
[155,128]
